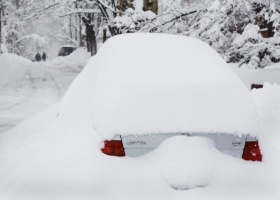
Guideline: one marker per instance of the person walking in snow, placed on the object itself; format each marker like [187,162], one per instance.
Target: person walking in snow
[44,56]
[38,57]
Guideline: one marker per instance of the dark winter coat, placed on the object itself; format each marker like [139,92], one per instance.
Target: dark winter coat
[44,56]
[38,57]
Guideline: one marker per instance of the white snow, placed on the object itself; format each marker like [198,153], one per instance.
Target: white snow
[269,74]
[250,32]
[214,7]
[267,101]
[138,4]
[3,49]
[149,15]
[68,45]
[56,156]
[183,170]
[152,90]
[273,40]
[45,159]
[27,87]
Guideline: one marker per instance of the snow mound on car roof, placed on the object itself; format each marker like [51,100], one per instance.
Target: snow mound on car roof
[156,83]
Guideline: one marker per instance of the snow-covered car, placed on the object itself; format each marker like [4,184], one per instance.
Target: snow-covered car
[66,50]
[165,86]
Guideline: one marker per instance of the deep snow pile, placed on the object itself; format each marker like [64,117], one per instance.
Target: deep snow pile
[75,61]
[56,156]
[10,63]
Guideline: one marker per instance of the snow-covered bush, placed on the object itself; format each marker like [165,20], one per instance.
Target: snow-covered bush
[250,48]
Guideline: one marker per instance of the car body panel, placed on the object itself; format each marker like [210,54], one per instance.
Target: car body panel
[226,143]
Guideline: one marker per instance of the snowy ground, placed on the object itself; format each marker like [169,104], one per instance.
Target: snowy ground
[28,87]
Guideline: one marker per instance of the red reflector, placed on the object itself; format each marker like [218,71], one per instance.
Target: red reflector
[113,148]
[252,152]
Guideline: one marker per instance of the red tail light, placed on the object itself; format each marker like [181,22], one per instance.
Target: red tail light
[252,152]
[113,148]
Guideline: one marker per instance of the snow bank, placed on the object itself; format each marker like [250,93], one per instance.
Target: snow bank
[145,88]
[3,49]
[12,67]
[268,101]
[75,61]
[269,74]
[28,87]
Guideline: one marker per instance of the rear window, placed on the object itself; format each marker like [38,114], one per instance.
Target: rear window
[67,49]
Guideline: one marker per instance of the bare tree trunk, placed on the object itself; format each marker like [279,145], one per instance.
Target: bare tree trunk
[88,43]
[90,36]
[104,35]
[17,4]
[70,27]
[93,49]
[3,15]
[76,28]
[80,33]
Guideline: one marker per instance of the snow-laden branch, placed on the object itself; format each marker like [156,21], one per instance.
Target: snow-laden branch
[179,16]
[34,37]
[80,10]
[40,12]
[106,6]
[149,22]
[69,38]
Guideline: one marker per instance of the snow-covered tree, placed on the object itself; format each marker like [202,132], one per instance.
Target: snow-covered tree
[246,32]
[92,13]
[31,26]
[257,45]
